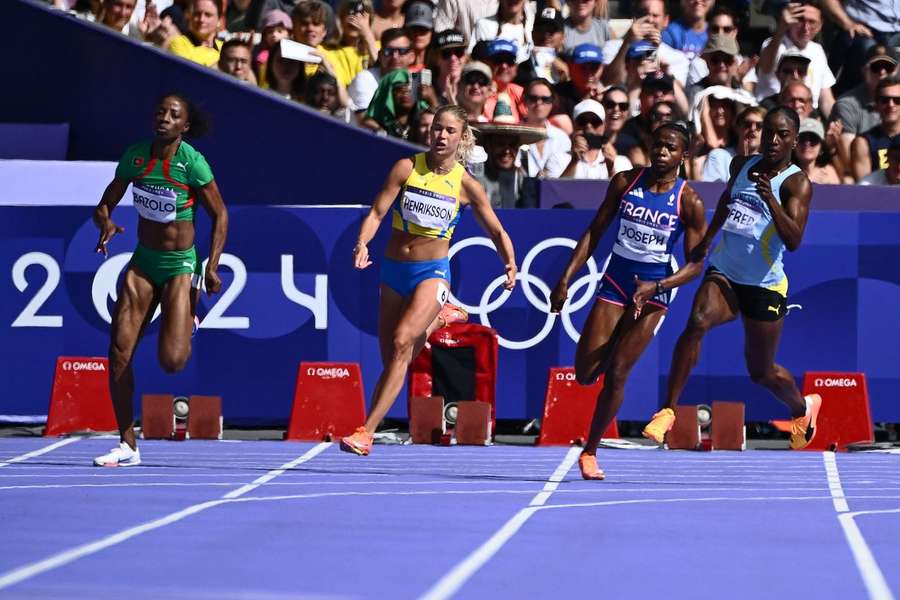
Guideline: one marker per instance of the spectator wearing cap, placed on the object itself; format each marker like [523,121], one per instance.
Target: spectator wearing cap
[748,133]
[513,21]
[395,53]
[351,53]
[868,152]
[593,156]
[474,90]
[388,15]
[639,128]
[236,59]
[792,66]
[642,63]
[277,26]
[582,27]
[545,61]
[586,75]
[547,157]
[812,155]
[449,54]
[501,56]
[890,175]
[723,22]
[393,108]
[502,178]
[689,33]
[419,26]
[797,25]
[720,56]
[651,17]
[200,44]
[857,110]
[462,15]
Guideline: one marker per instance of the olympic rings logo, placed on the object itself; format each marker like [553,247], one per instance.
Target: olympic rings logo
[528,283]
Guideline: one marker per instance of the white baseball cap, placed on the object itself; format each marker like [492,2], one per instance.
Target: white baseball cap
[589,106]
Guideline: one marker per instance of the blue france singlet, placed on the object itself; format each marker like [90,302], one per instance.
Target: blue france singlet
[751,250]
[648,224]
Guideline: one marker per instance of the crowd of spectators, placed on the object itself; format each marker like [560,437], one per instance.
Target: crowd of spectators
[563,88]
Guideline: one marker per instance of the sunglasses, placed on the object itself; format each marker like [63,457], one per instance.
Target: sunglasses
[881,66]
[714,29]
[754,125]
[718,57]
[592,120]
[889,100]
[534,99]
[502,59]
[396,51]
[659,116]
[477,79]
[610,105]
[446,53]
[801,71]
[809,138]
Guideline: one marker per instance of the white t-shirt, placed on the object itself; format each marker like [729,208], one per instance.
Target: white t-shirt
[878,177]
[489,28]
[818,75]
[597,169]
[362,88]
[676,59]
[555,157]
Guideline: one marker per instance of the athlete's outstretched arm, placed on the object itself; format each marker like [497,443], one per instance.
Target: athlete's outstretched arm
[589,240]
[103,213]
[474,195]
[382,204]
[694,220]
[789,215]
[212,202]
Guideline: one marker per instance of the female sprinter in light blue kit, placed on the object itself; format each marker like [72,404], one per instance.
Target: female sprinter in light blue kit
[427,193]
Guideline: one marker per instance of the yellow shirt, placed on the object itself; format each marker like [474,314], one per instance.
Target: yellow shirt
[184,47]
[429,202]
[347,61]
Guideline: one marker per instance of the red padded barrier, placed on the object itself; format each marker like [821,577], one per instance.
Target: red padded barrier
[328,401]
[569,408]
[79,399]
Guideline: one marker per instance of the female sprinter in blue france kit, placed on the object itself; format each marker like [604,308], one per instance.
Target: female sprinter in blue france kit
[762,212]
[167,177]
[649,208]
[425,195]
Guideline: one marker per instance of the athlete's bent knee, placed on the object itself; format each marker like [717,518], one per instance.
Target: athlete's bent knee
[172,364]
[402,345]
[698,324]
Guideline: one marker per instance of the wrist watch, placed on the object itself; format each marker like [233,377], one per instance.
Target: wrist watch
[659,288]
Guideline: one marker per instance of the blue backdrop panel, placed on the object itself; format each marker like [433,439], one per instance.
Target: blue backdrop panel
[291,294]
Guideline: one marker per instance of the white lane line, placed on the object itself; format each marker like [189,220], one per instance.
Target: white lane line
[57,560]
[450,583]
[868,567]
[39,451]
[834,482]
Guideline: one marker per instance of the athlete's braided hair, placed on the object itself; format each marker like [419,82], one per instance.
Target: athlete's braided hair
[789,113]
[467,139]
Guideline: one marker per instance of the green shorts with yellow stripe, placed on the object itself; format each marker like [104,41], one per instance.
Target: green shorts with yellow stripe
[162,265]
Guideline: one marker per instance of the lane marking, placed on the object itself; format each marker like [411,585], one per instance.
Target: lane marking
[57,560]
[450,583]
[834,482]
[39,452]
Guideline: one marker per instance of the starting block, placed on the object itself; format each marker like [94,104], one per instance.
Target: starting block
[725,421]
[163,417]
[473,423]
[569,409]
[157,416]
[685,434]
[328,401]
[426,419]
[728,429]
[79,398]
[204,419]
[845,417]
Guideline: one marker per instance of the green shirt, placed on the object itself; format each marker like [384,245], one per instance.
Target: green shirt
[164,189]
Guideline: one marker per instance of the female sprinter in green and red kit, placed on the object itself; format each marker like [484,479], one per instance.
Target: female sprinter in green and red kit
[427,192]
[649,209]
[168,176]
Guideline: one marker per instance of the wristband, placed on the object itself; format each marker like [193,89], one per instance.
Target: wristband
[659,288]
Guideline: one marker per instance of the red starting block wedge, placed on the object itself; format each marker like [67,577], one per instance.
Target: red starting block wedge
[473,423]
[728,429]
[204,420]
[845,417]
[426,419]
[685,434]
[569,408]
[328,401]
[157,416]
[79,399]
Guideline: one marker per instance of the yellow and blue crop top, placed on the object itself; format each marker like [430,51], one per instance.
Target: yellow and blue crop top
[428,205]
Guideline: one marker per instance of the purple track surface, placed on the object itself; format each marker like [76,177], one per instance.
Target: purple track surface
[432,522]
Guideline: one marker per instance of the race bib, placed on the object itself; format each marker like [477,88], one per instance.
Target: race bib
[743,217]
[643,239]
[427,209]
[153,202]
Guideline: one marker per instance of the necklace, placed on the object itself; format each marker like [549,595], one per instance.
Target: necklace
[441,170]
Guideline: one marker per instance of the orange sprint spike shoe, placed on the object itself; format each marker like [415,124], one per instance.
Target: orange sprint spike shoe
[661,423]
[451,313]
[588,465]
[803,429]
[360,442]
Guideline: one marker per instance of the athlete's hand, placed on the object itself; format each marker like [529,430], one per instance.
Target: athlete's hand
[644,290]
[212,281]
[558,296]
[764,188]
[361,258]
[511,272]
[107,231]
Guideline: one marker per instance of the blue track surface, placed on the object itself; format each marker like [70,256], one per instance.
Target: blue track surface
[433,522]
